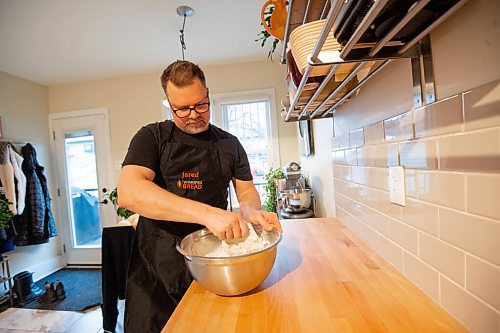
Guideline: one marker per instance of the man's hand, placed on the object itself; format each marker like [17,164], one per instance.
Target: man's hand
[227,225]
[268,220]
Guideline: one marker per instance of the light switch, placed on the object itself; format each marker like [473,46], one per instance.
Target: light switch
[397,185]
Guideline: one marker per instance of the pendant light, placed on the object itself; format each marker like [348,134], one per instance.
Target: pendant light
[184,11]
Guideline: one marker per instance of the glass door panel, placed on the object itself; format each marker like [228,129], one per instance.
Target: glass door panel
[83,188]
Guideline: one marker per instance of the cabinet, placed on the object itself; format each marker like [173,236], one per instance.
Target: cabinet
[357,39]
[6,278]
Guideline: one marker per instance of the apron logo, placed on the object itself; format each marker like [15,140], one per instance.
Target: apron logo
[190,181]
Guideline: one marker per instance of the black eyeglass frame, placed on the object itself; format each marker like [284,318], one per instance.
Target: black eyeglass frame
[191,108]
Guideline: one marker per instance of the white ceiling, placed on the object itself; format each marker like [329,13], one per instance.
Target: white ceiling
[55,42]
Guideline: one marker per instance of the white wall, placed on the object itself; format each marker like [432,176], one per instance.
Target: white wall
[134,101]
[317,168]
[24,109]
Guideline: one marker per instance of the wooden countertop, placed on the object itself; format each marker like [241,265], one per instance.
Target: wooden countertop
[324,280]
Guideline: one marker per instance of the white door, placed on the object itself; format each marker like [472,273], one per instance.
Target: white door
[84,175]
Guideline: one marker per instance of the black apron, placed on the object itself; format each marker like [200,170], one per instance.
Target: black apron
[157,276]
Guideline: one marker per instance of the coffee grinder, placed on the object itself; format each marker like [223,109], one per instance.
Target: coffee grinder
[295,200]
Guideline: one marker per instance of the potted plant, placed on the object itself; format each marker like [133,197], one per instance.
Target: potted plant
[264,35]
[122,212]
[272,178]
[5,216]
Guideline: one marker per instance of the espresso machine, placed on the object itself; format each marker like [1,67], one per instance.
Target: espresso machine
[295,198]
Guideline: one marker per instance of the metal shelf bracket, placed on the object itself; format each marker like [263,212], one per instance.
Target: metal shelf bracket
[422,69]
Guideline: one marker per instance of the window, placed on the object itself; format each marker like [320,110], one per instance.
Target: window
[250,116]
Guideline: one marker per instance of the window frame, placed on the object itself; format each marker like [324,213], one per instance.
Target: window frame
[249,96]
[242,97]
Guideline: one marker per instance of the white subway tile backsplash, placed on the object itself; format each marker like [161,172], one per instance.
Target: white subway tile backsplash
[386,155]
[443,188]
[483,195]
[474,313]
[372,238]
[471,233]
[447,237]
[411,183]
[343,141]
[377,178]
[338,157]
[365,156]
[423,275]
[392,253]
[421,215]
[483,280]
[347,219]
[374,134]
[340,186]
[375,220]
[477,151]
[399,127]
[356,138]
[418,154]
[442,117]
[353,207]
[387,207]
[352,190]
[447,259]
[403,235]
[350,157]
[482,105]
[358,174]
[368,196]
[342,172]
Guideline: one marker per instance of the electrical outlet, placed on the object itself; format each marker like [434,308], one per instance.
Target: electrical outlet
[397,185]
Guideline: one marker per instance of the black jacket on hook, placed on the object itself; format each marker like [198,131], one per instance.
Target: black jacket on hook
[36,224]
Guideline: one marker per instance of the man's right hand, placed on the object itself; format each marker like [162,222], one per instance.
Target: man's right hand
[227,225]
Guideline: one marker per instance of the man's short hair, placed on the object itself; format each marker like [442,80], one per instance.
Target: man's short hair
[181,73]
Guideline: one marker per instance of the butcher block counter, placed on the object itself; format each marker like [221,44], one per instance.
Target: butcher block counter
[324,280]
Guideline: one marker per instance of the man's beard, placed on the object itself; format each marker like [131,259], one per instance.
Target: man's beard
[195,126]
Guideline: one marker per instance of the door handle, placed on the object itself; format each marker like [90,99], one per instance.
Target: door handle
[105,201]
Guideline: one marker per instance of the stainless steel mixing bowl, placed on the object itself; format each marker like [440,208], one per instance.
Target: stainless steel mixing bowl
[228,276]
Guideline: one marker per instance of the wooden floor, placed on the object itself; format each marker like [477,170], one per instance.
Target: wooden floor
[14,320]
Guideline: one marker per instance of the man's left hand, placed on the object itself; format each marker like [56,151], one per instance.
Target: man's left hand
[268,220]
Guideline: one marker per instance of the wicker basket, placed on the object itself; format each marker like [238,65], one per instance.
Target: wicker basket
[302,42]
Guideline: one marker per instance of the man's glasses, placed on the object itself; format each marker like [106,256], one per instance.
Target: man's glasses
[186,111]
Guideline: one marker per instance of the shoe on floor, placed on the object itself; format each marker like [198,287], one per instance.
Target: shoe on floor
[49,295]
[60,292]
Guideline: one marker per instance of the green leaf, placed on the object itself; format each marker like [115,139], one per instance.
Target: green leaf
[270,188]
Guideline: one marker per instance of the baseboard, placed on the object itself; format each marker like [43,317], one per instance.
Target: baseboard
[97,266]
[47,267]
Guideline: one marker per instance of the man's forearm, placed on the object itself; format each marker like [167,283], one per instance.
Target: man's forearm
[249,201]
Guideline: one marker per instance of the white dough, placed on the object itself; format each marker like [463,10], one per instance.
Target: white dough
[252,243]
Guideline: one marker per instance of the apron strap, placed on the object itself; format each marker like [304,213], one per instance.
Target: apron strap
[164,148]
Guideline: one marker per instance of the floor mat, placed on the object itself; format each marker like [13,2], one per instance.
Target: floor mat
[83,290]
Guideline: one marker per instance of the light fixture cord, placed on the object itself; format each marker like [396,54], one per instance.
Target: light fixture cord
[181,37]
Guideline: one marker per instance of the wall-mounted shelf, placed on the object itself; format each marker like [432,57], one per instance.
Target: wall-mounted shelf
[377,32]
